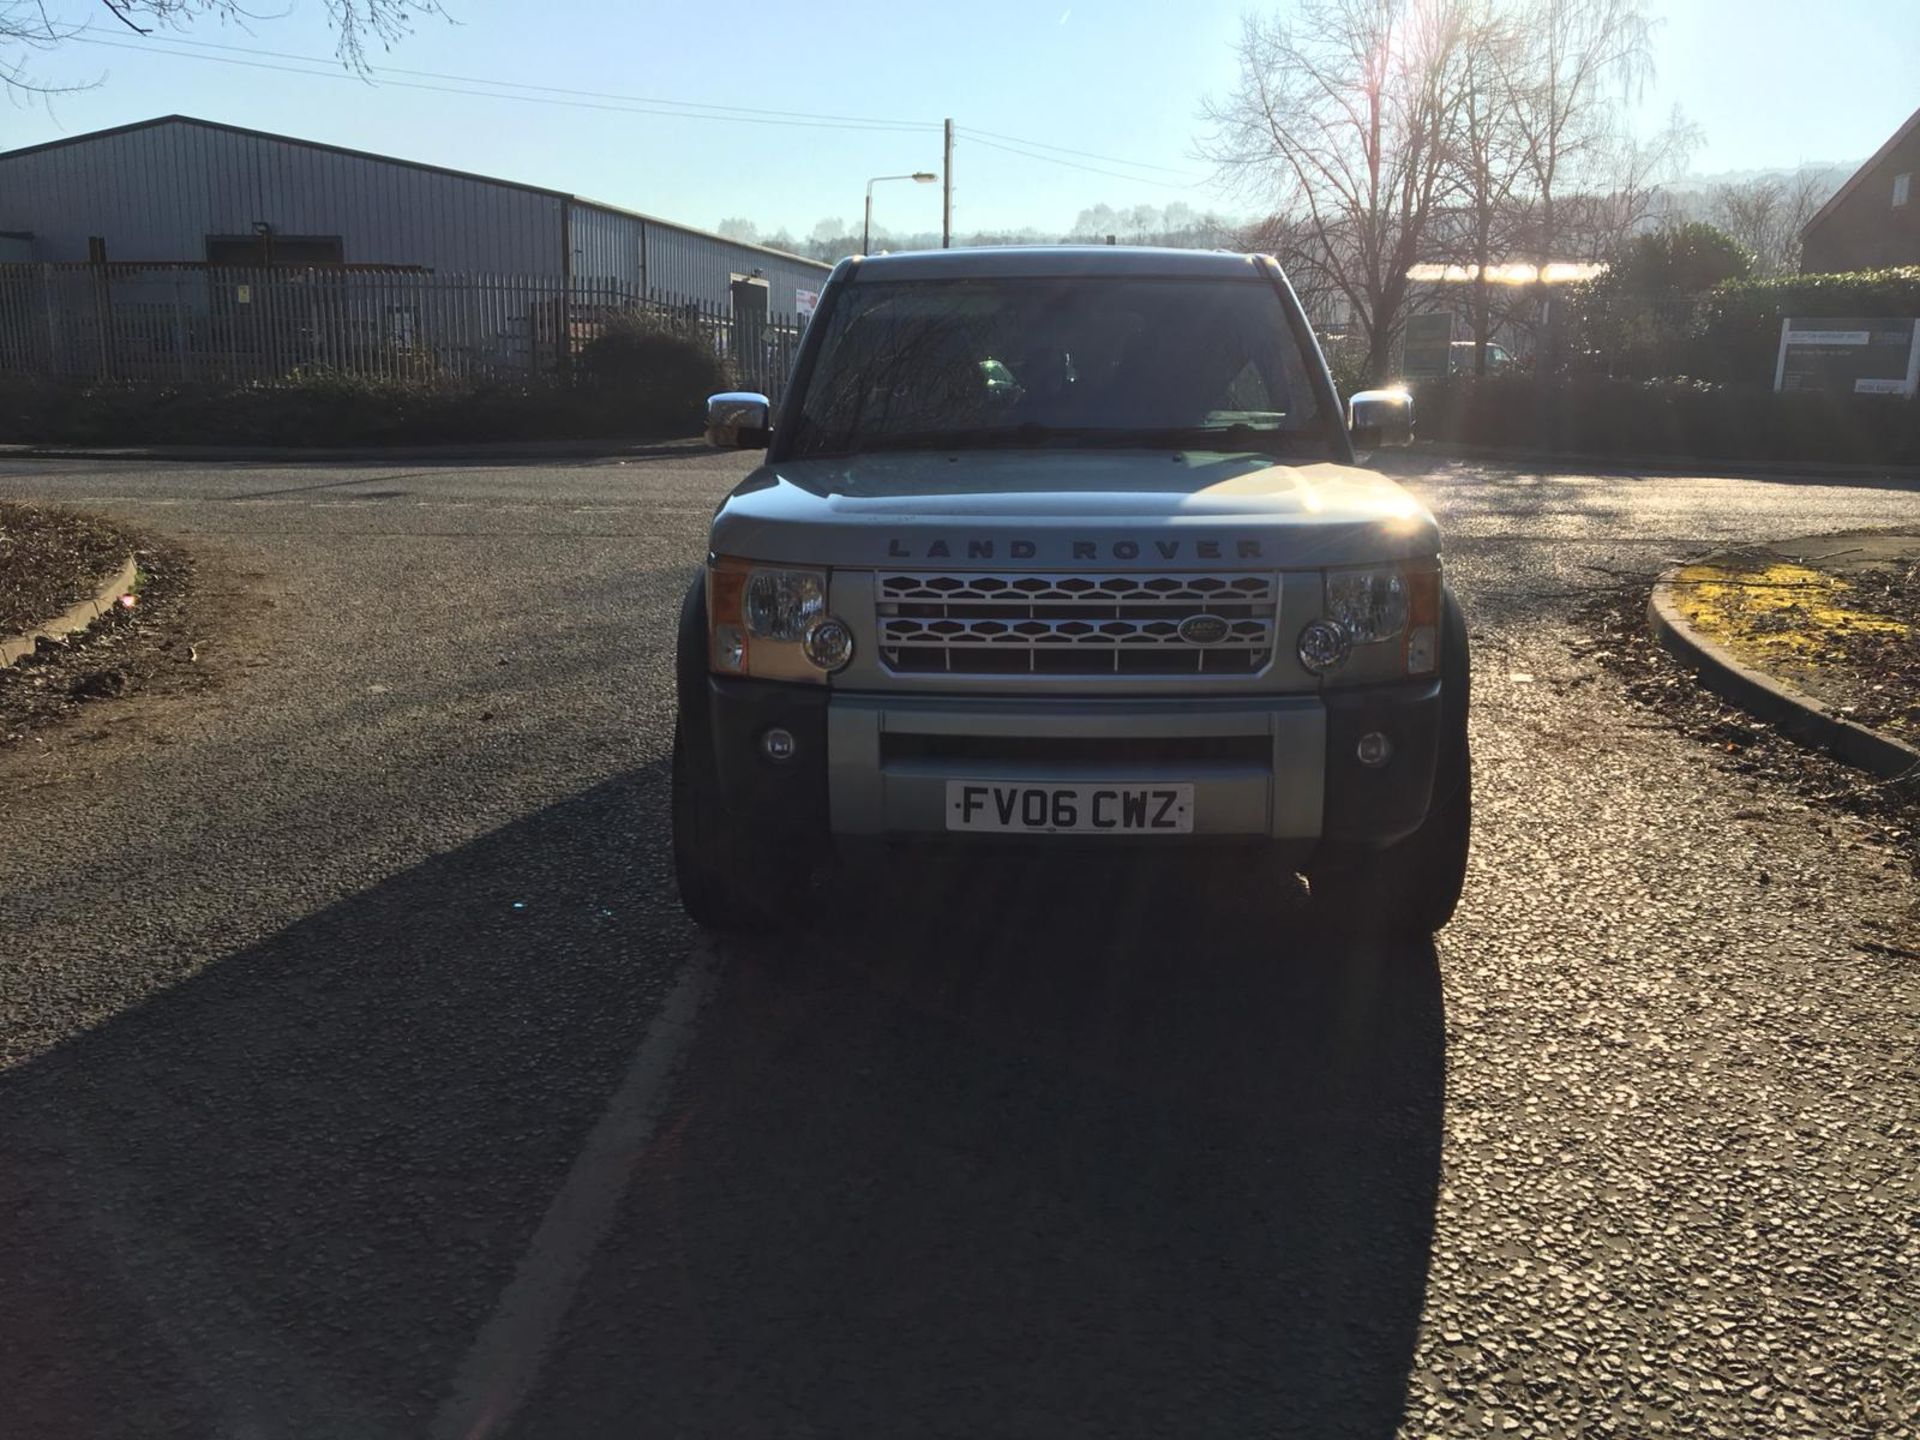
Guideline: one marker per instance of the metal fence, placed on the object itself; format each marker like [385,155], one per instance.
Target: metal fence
[214,324]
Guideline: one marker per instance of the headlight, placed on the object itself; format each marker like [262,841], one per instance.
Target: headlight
[771,622]
[1380,604]
[1370,605]
[829,644]
[782,604]
[1324,647]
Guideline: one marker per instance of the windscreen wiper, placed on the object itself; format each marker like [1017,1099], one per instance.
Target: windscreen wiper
[978,438]
[1237,436]
[1262,439]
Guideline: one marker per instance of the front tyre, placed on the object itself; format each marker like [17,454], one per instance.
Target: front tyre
[726,882]
[1409,889]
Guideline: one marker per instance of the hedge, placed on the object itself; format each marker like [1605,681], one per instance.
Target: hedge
[1737,327]
[1731,335]
[635,380]
[1592,415]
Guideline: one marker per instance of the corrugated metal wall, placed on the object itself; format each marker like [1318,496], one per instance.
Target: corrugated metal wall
[156,194]
[610,246]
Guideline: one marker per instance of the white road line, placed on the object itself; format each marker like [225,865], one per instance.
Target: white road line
[500,1369]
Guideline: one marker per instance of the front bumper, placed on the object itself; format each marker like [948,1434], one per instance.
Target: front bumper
[889,758]
[1276,767]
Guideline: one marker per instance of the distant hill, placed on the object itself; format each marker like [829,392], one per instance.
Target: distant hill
[1764,210]
[1837,170]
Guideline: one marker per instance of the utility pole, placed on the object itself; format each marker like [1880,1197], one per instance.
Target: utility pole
[946,192]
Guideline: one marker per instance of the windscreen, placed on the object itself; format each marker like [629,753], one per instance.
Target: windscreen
[959,364]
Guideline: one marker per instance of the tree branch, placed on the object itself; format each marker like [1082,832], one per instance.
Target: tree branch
[124,18]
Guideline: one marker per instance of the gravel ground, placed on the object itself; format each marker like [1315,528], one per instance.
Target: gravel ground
[50,559]
[1620,641]
[1880,669]
[167,644]
[312,984]
[1844,634]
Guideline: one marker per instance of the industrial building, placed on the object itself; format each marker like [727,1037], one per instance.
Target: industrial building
[182,248]
[179,189]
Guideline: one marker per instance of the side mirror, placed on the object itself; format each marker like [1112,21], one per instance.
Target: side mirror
[1378,418]
[739,420]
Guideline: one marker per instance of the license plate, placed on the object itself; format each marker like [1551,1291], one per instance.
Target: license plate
[1090,809]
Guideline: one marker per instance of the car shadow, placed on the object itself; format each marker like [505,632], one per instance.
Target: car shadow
[281,1197]
[1015,1148]
[991,1148]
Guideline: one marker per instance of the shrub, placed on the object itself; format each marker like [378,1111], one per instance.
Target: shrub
[1666,309]
[1687,419]
[652,367]
[1637,318]
[640,376]
[1737,327]
[322,407]
[1347,359]
[1679,260]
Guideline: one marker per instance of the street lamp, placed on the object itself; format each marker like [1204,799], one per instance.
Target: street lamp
[919,177]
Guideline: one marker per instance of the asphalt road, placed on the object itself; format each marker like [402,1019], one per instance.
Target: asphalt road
[364,1080]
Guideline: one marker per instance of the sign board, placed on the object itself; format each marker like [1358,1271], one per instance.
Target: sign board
[1427,349]
[804,302]
[1849,357]
[243,294]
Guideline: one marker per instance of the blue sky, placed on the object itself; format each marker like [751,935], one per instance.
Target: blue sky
[1767,83]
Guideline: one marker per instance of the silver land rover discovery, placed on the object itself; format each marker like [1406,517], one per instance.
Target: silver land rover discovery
[1067,547]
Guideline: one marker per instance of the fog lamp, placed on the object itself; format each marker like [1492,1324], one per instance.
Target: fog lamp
[1374,750]
[778,745]
[1324,646]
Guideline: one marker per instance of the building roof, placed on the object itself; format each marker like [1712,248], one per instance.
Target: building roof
[1042,260]
[525,188]
[1859,177]
[822,265]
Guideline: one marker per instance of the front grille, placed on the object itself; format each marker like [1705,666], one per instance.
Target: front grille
[1075,624]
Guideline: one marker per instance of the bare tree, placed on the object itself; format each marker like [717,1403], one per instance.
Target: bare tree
[1488,158]
[1289,238]
[28,27]
[1342,116]
[1576,61]
[1542,170]
[1767,214]
[1178,225]
[1478,133]
[1630,189]
[830,239]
